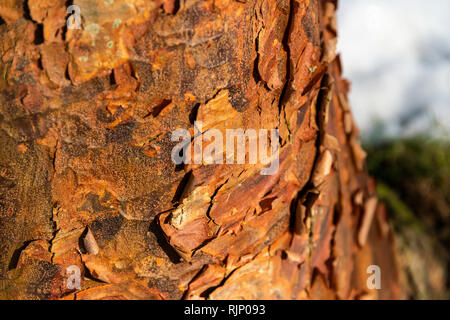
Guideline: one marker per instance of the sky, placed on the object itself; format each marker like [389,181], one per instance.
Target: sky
[396,53]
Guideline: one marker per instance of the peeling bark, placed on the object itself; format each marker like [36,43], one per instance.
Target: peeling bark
[87,180]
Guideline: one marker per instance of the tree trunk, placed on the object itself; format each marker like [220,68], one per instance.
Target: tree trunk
[87,181]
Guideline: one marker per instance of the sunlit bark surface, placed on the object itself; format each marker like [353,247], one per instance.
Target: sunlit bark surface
[87,180]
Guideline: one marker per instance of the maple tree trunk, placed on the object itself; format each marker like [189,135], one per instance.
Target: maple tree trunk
[87,179]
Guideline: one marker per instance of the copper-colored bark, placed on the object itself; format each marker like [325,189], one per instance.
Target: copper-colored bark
[86,177]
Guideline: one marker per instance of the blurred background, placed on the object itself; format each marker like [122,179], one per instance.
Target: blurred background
[396,53]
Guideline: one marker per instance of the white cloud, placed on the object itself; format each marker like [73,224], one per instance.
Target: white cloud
[397,55]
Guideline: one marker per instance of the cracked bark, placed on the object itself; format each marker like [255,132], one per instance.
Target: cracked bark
[86,177]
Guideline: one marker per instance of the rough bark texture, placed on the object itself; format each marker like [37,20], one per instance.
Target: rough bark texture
[86,177]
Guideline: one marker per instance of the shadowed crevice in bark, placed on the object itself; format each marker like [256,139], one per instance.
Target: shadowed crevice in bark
[16,255]
[162,242]
[177,198]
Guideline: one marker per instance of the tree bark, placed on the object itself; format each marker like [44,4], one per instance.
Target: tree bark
[87,179]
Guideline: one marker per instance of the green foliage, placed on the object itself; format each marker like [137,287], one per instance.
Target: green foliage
[413,180]
[413,177]
[411,159]
[404,216]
